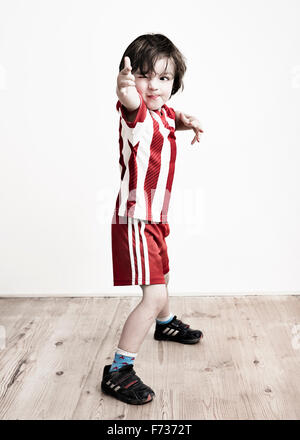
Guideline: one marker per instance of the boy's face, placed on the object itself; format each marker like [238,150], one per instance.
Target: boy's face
[156,87]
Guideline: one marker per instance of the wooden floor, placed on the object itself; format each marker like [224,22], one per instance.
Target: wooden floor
[247,367]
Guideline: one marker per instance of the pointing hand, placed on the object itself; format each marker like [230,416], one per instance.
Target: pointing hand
[126,78]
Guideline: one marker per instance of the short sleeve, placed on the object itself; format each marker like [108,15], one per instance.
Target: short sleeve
[170,112]
[140,116]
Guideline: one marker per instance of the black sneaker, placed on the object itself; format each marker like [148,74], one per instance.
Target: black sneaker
[125,385]
[177,331]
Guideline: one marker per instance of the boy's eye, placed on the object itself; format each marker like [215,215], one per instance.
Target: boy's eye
[145,76]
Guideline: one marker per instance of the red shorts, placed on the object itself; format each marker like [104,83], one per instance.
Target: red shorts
[139,251]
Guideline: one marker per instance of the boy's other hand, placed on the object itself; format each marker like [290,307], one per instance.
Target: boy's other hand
[125,78]
[194,123]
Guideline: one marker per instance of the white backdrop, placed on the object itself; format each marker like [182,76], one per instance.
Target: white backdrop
[234,214]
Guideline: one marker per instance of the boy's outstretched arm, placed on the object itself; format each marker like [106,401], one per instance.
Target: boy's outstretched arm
[126,90]
[187,122]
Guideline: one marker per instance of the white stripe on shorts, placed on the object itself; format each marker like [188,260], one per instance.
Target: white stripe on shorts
[138,251]
[131,249]
[146,256]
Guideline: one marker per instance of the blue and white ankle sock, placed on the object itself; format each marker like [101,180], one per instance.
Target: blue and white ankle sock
[121,359]
[165,319]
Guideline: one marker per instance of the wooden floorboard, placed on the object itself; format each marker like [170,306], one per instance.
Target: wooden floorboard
[246,367]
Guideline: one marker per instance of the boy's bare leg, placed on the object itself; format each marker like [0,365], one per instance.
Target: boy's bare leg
[142,317]
[165,311]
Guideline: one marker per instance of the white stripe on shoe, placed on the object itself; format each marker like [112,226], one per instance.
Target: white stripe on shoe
[170,331]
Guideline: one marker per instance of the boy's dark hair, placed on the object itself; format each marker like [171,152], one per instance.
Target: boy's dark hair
[146,49]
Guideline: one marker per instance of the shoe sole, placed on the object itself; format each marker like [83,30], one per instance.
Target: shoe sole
[184,341]
[123,398]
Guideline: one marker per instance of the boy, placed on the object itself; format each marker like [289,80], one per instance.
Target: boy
[147,162]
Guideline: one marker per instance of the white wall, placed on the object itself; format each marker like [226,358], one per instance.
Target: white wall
[59,173]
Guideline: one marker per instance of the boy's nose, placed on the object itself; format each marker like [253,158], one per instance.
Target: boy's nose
[152,84]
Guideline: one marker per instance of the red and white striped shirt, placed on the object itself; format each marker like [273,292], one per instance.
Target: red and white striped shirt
[147,163]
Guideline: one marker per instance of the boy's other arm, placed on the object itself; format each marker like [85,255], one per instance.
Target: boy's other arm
[126,90]
[187,122]
[180,121]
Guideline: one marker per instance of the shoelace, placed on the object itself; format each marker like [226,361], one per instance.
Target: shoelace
[180,323]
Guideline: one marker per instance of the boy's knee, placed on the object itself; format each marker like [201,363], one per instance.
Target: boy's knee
[155,296]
